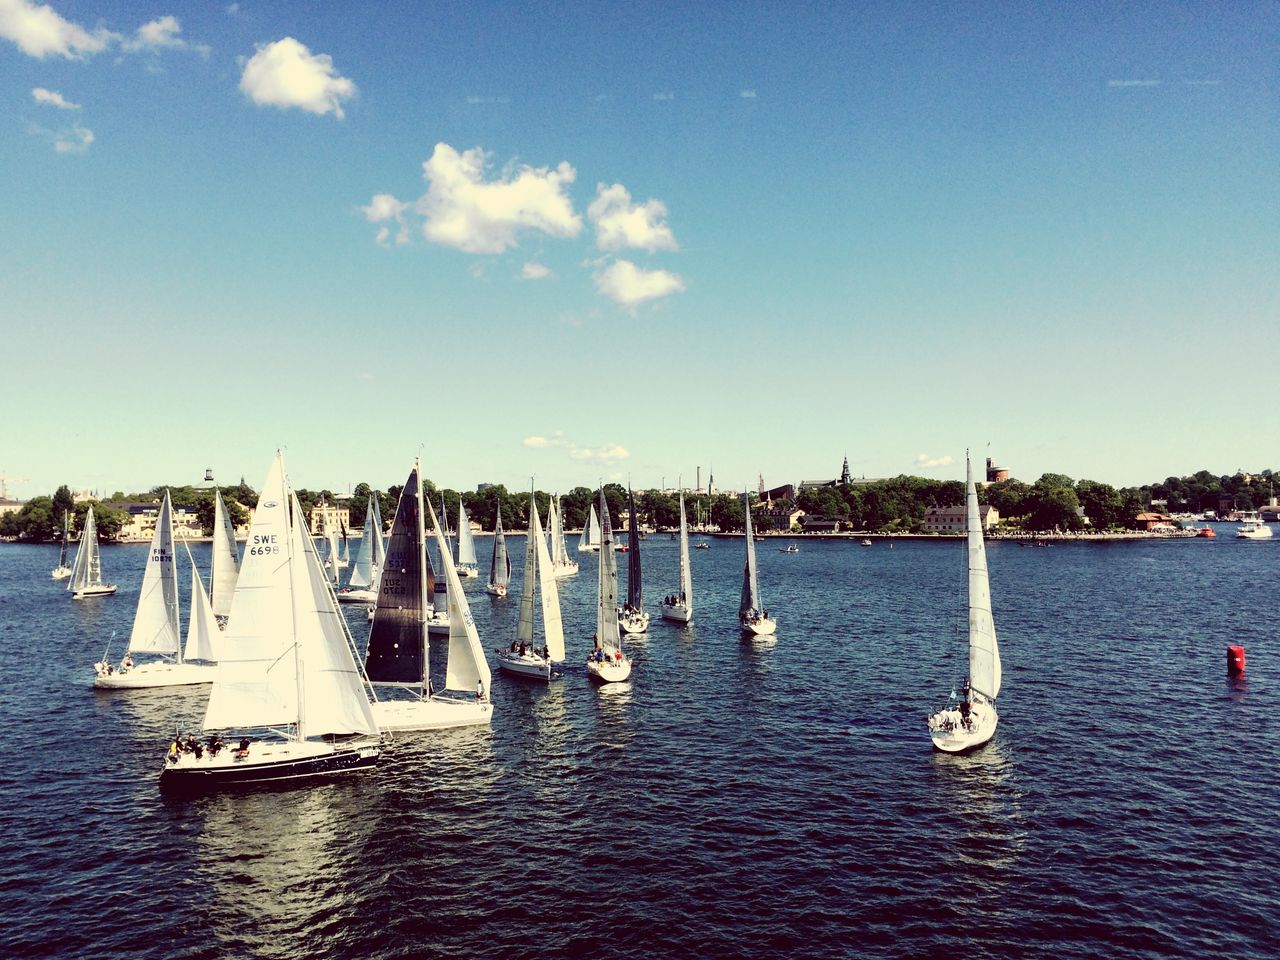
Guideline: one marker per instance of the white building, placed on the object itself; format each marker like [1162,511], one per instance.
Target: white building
[952,519]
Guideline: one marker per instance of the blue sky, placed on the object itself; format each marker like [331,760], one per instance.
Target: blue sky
[584,241]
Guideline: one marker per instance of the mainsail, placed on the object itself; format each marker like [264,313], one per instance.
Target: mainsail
[88,545]
[466,542]
[559,552]
[750,602]
[225,565]
[66,537]
[202,624]
[155,625]
[552,625]
[398,638]
[686,574]
[362,571]
[500,563]
[607,606]
[467,668]
[984,652]
[635,588]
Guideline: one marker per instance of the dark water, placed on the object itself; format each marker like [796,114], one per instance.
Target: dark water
[734,799]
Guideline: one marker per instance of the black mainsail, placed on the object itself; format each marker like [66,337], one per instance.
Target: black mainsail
[635,588]
[398,637]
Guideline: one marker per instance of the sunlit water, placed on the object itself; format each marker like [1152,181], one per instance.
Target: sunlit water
[733,799]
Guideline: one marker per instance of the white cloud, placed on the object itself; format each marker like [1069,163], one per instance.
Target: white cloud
[233,9]
[162,34]
[620,224]
[53,98]
[928,462]
[604,455]
[75,140]
[1133,83]
[286,74]
[39,31]
[464,211]
[664,96]
[534,271]
[747,94]
[383,208]
[626,284]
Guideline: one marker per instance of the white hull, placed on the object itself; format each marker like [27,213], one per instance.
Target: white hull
[60,573]
[764,627]
[496,589]
[467,572]
[678,613]
[566,569]
[98,590]
[1254,531]
[438,624]
[159,674]
[611,671]
[357,596]
[528,665]
[437,713]
[634,624]
[591,549]
[954,737]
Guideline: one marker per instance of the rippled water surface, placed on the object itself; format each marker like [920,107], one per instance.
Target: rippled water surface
[733,799]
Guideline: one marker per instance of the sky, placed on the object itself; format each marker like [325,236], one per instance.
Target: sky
[590,241]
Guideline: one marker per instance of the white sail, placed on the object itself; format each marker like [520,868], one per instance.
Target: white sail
[362,571]
[466,540]
[552,626]
[750,604]
[226,563]
[467,665]
[333,699]
[607,585]
[379,541]
[333,561]
[594,522]
[499,563]
[984,652]
[155,625]
[80,566]
[528,586]
[686,574]
[256,683]
[556,531]
[202,624]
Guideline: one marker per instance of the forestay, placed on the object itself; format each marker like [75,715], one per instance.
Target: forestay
[984,652]
[155,625]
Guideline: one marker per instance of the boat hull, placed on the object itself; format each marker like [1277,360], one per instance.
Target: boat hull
[677,613]
[60,573]
[467,572]
[435,713]
[266,763]
[357,596]
[958,739]
[102,590]
[156,675]
[610,671]
[531,667]
[438,625]
[764,627]
[496,590]
[634,624]
[562,570]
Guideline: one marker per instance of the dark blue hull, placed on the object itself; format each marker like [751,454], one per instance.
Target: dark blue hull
[197,779]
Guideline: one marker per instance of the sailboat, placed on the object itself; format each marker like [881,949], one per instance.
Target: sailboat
[607,663]
[632,618]
[362,587]
[679,607]
[285,666]
[62,571]
[752,615]
[561,565]
[156,629]
[522,658]
[86,569]
[333,559]
[225,563]
[970,720]
[590,539]
[399,654]
[467,564]
[500,564]
[344,558]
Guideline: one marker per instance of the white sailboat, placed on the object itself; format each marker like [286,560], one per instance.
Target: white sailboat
[500,563]
[561,565]
[399,654]
[679,607]
[225,563]
[467,563]
[285,666]
[333,559]
[86,570]
[633,618]
[362,587]
[62,571]
[970,720]
[522,658]
[156,628]
[607,663]
[590,539]
[752,615]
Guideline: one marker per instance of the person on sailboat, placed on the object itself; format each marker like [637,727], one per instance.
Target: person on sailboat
[126,664]
[479,691]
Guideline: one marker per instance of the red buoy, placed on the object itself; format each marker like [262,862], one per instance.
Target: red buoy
[1235,660]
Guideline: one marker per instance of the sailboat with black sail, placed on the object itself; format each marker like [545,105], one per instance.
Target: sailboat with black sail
[157,633]
[752,615]
[969,720]
[633,618]
[607,663]
[287,680]
[679,607]
[399,653]
[86,581]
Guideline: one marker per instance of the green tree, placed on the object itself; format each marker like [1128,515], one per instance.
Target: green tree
[64,504]
[1102,503]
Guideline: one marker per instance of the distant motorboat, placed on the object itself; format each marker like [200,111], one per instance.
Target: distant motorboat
[1254,530]
[703,545]
[789,548]
[866,543]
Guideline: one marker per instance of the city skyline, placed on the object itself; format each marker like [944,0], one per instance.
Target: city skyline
[628,241]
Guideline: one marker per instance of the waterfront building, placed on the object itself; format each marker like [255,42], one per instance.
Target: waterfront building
[996,473]
[338,518]
[952,519]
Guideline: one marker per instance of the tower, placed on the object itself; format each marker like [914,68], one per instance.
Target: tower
[845,479]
